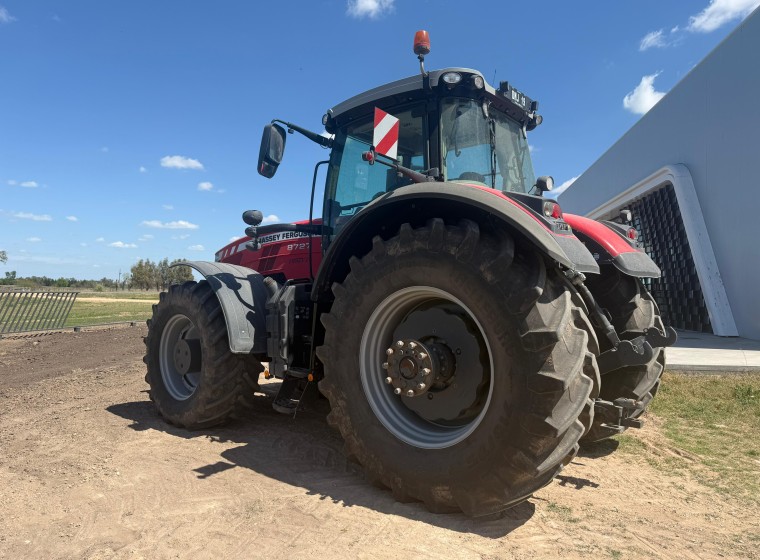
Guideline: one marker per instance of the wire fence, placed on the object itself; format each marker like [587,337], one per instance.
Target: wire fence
[25,310]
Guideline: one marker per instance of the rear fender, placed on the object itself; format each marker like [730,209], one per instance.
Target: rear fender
[243,297]
[610,247]
[417,203]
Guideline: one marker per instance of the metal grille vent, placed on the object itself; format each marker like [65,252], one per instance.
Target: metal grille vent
[678,292]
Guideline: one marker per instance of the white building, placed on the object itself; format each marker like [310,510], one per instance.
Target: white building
[690,171]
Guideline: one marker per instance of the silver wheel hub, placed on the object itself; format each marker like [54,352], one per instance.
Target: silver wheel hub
[180,358]
[426,367]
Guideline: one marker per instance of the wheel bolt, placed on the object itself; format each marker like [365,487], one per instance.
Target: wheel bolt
[425,371]
[421,386]
[421,356]
[389,380]
[412,345]
[400,343]
[389,351]
[410,393]
[397,391]
[385,365]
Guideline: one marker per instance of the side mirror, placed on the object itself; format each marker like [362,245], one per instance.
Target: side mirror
[272,148]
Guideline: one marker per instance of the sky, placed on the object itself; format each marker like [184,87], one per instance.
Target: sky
[131,130]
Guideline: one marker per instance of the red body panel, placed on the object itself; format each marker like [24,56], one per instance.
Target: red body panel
[284,255]
[601,234]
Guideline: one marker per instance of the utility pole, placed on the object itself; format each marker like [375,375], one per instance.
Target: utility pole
[119,282]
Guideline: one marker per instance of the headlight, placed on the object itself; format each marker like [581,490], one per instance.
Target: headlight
[452,78]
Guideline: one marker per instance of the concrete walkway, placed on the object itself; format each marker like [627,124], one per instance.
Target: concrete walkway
[706,352]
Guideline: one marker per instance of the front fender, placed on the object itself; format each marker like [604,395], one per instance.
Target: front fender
[416,203]
[243,297]
[610,248]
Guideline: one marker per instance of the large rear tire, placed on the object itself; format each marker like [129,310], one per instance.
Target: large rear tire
[195,381]
[502,416]
[632,310]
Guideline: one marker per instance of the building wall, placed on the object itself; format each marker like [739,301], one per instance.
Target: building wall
[709,122]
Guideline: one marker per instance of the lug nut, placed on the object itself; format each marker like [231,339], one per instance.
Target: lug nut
[389,380]
[412,345]
[397,391]
[421,356]
[425,371]
[385,365]
[421,386]
[389,351]
[410,393]
[400,343]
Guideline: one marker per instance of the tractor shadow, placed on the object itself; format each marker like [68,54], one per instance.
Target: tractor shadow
[305,452]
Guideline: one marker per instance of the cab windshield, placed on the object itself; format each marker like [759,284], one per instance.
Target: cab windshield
[481,145]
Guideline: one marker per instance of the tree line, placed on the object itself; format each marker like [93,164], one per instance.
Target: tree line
[147,275]
[144,275]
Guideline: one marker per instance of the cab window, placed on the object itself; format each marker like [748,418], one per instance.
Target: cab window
[353,183]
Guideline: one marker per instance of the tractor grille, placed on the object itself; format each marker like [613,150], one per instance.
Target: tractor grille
[678,292]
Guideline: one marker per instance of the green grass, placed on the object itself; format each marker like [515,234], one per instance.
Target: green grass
[563,512]
[85,312]
[152,296]
[715,420]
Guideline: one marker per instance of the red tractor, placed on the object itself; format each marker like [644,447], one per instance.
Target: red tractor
[467,333]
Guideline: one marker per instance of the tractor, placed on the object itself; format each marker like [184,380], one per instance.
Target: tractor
[468,334]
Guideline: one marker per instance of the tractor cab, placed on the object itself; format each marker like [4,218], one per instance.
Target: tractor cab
[452,126]
[449,125]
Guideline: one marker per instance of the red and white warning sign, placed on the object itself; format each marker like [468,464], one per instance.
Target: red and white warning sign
[385,135]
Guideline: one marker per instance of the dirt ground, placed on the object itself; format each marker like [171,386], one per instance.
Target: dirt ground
[88,470]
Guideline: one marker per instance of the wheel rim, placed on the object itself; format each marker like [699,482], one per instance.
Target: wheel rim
[180,357]
[463,403]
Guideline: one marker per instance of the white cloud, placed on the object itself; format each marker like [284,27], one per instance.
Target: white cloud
[47,259]
[233,239]
[554,193]
[644,96]
[33,239]
[196,248]
[719,13]
[655,39]
[168,207]
[12,183]
[205,186]
[104,149]
[5,17]
[179,224]
[122,245]
[30,184]
[143,169]
[271,219]
[146,237]
[83,244]
[180,162]
[185,236]
[369,8]
[34,217]
[100,239]
[72,218]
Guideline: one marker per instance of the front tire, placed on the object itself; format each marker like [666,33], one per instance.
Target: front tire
[195,381]
[508,418]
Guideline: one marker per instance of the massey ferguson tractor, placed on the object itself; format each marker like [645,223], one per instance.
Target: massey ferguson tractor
[467,333]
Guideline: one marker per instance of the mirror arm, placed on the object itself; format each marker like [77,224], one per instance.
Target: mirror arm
[371,157]
[313,136]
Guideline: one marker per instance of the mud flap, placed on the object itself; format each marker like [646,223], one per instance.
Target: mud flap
[243,298]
